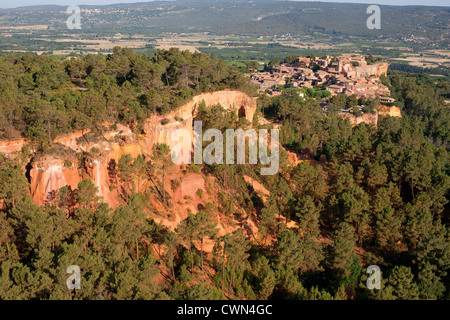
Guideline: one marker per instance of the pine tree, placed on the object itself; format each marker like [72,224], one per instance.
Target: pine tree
[308,215]
[268,223]
[430,285]
[66,199]
[204,228]
[86,194]
[160,162]
[235,250]
[126,174]
[419,226]
[8,249]
[388,229]
[171,242]
[402,282]
[312,251]
[342,248]
[288,250]
[187,229]
[139,167]
[13,185]
[288,285]
[263,278]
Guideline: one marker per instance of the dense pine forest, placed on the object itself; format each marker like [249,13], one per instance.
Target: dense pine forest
[42,96]
[368,196]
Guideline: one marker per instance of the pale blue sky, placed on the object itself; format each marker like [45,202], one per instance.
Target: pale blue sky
[20,3]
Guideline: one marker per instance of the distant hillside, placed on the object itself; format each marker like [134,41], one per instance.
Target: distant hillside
[430,24]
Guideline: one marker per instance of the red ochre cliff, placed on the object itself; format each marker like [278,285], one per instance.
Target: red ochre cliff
[50,172]
[48,175]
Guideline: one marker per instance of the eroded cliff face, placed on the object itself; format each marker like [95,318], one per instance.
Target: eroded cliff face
[156,132]
[159,129]
[230,100]
[49,173]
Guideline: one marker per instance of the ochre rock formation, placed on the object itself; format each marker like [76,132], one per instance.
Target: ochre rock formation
[48,173]
[393,111]
[366,118]
[159,129]
[230,100]
[8,147]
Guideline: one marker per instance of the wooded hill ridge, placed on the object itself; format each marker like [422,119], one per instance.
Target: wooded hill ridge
[255,18]
[358,195]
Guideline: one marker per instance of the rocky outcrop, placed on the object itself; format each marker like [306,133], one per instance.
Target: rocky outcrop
[9,147]
[367,118]
[393,111]
[50,172]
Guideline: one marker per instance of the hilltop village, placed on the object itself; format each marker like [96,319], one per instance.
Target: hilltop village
[353,75]
[349,74]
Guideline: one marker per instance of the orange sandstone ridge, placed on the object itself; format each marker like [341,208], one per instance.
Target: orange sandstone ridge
[50,172]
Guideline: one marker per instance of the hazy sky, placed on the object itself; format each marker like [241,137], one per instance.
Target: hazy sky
[20,3]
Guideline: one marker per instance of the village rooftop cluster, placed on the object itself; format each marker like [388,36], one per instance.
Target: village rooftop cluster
[348,74]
